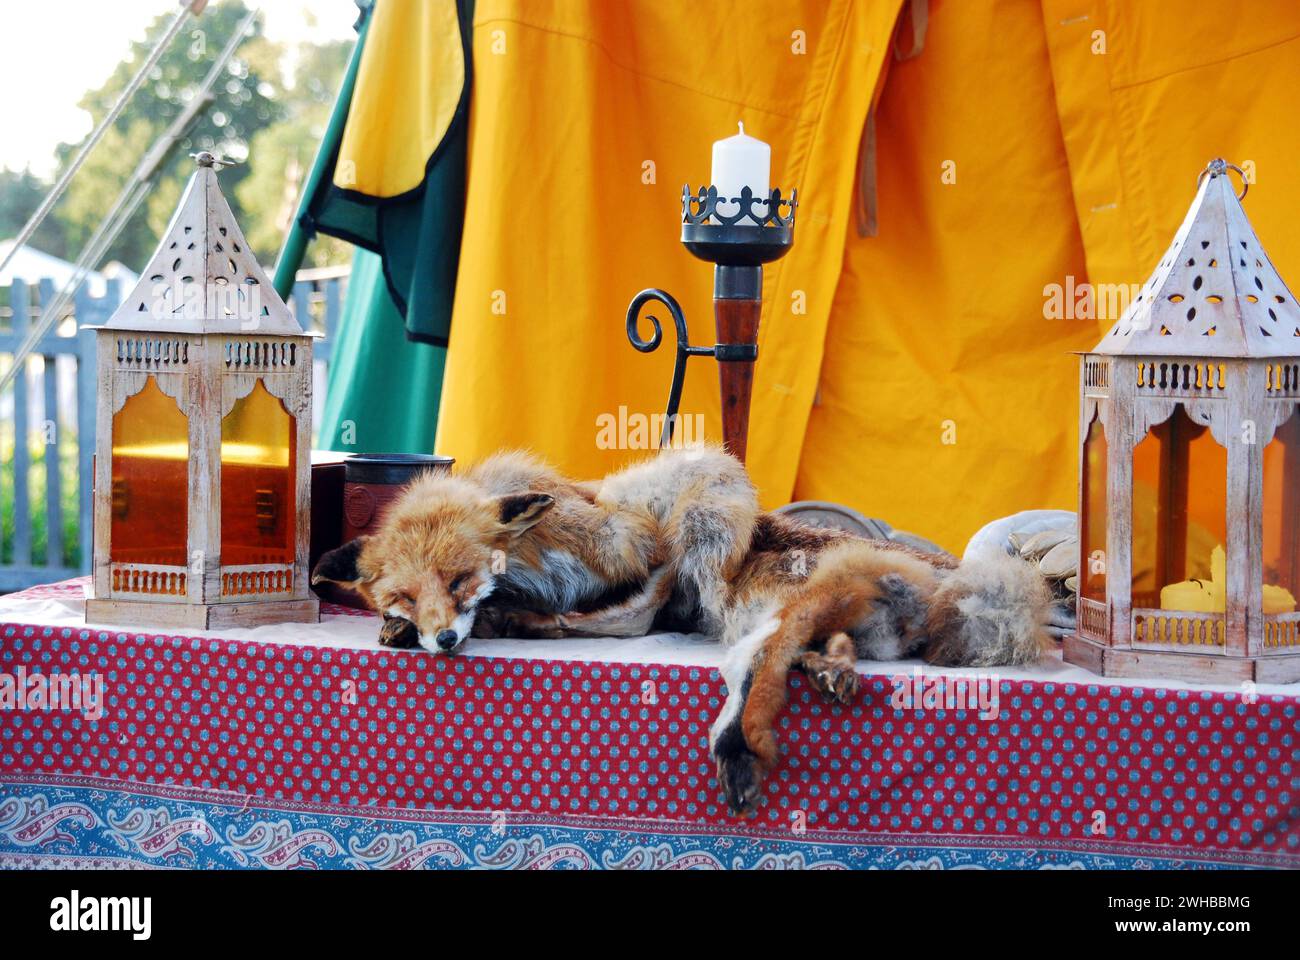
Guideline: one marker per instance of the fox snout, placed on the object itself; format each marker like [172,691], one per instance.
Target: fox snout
[441,628]
[444,612]
[402,630]
[441,641]
[447,640]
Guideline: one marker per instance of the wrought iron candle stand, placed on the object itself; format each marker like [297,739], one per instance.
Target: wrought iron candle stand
[738,244]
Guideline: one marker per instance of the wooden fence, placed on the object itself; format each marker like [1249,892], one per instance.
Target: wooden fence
[47,421]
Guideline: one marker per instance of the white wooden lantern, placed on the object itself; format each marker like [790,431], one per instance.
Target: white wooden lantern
[1189,504]
[203,436]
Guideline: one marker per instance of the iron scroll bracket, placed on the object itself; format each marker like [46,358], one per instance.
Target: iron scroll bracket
[723,352]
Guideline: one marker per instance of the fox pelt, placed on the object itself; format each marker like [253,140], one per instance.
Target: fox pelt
[678,541]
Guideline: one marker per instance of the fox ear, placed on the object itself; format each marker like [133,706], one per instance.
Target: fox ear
[519,511]
[342,565]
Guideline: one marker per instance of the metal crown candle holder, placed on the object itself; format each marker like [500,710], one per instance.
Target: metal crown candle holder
[759,231]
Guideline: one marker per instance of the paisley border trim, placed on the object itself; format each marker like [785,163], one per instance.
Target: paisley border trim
[59,823]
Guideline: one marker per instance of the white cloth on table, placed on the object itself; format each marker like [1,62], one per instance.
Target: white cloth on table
[358,632]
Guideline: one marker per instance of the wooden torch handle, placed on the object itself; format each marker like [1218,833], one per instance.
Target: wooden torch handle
[737,323]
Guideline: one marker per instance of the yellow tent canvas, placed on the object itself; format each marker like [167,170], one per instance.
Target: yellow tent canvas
[1029,166]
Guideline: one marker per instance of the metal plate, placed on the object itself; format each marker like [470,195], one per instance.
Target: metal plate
[835,516]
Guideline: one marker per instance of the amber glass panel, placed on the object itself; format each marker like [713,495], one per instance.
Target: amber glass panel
[258,466]
[1180,490]
[151,454]
[1092,584]
[1281,536]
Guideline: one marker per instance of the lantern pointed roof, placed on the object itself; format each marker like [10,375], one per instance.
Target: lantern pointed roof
[203,278]
[1215,292]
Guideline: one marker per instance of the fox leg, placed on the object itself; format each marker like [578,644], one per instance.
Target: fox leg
[757,671]
[709,544]
[707,533]
[632,617]
[702,507]
[739,764]
[854,595]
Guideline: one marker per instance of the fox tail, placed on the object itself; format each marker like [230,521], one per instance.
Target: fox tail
[988,612]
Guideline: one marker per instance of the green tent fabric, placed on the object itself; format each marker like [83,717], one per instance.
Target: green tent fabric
[383,389]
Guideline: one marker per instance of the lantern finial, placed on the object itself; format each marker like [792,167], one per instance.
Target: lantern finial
[1218,167]
[205,158]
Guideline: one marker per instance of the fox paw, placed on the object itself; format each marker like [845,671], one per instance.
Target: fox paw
[740,771]
[836,680]
[740,775]
[399,633]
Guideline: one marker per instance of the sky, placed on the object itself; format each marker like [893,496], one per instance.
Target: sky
[74,45]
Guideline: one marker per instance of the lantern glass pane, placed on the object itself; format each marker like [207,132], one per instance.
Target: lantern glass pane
[1180,489]
[1092,582]
[258,466]
[150,498]
[1281,535]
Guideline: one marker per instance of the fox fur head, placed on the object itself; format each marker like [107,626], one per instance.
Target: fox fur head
[436,556]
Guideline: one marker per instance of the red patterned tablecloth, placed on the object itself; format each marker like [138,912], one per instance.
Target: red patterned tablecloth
[220,752]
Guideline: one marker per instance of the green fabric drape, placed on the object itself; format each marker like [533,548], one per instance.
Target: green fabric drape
[417,233]
[383,388]
[300,231]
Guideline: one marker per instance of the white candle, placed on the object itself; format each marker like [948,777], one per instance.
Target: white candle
[738,162]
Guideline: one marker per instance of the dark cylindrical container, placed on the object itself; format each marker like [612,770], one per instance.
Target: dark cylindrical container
[372,481]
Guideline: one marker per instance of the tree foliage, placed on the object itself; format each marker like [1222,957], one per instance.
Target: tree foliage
[21,193]
[269,117]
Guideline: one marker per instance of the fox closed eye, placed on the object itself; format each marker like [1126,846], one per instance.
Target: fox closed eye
[458,582]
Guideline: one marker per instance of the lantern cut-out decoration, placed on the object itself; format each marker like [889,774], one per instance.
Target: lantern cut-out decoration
[203,436]
[1189,491]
